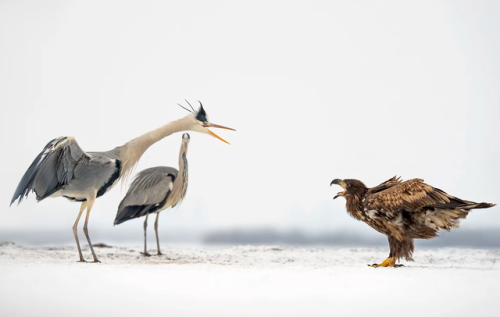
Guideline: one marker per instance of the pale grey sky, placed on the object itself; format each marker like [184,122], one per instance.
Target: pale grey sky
[317,90]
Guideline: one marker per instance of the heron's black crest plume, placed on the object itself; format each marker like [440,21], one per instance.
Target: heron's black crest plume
[201,115]
[190,105]
[186,108]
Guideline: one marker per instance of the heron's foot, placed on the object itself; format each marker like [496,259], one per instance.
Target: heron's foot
[145,254]
[82,260]
[159,253]
[389,262]
[96,261]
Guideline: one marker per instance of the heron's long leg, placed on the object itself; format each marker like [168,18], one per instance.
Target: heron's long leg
[156,231]
[75,233]
[145,253]
[90,203]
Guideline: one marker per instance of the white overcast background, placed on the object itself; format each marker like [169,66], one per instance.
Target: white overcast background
[316,90]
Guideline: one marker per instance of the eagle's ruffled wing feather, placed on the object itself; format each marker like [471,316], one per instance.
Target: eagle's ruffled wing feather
[410,195]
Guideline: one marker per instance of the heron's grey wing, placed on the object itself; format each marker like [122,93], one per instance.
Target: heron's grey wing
[147,193]
[150,186]
[52,168]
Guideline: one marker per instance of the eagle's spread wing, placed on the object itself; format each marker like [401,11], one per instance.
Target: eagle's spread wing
[411,195]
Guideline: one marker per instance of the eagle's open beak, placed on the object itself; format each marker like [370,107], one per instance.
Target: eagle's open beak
[340,183]
[213,125]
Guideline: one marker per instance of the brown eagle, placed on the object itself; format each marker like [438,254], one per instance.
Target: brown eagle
[403,211]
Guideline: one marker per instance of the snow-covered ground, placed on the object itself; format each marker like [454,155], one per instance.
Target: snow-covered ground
[247,281]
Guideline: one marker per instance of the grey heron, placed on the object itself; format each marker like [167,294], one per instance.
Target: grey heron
[153,190]
[63,169]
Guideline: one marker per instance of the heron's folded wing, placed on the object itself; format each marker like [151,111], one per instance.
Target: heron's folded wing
[150,186]
[52,168]
[147,193]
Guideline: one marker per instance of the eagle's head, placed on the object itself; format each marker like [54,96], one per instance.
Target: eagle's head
[354,192]
[352,188]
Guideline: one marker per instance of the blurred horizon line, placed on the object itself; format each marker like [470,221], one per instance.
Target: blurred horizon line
[465,238]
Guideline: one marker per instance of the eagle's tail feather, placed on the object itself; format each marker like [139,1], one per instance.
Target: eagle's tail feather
[478,206]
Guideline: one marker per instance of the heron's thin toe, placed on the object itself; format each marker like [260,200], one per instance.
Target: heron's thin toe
[82,260]
[159,253]
[145,254]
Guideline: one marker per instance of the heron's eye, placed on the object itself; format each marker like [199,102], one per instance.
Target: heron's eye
[205,123]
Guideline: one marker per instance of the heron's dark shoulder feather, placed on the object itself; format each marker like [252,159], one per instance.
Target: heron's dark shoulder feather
[114,177]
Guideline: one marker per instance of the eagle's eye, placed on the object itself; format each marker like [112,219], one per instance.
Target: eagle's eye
[347,185]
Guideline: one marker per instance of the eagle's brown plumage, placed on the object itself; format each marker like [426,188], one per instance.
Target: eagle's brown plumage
[404,210]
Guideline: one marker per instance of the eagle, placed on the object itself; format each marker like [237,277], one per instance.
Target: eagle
[404,211]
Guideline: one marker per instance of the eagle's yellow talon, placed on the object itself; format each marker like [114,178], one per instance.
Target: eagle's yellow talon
[389,262]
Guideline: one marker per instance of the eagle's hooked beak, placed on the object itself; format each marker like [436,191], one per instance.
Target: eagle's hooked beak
[213,125]
[341,183]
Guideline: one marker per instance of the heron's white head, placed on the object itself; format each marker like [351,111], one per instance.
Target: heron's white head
[185,141]
[201,123]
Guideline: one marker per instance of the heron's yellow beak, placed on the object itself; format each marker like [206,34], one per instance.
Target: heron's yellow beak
[213,125]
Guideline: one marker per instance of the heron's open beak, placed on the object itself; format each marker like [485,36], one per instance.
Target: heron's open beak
[340,183]
[213,125]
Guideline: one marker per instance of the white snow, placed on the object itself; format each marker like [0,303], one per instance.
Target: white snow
[247,281]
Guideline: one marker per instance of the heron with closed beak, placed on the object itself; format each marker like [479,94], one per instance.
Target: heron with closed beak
[153,190]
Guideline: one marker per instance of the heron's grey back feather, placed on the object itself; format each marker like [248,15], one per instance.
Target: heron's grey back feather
[150,186]
[148,193]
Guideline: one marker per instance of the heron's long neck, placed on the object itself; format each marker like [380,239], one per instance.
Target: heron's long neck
[181,182]
[131,152]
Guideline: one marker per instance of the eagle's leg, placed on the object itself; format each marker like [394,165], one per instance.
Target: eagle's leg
[399,249]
